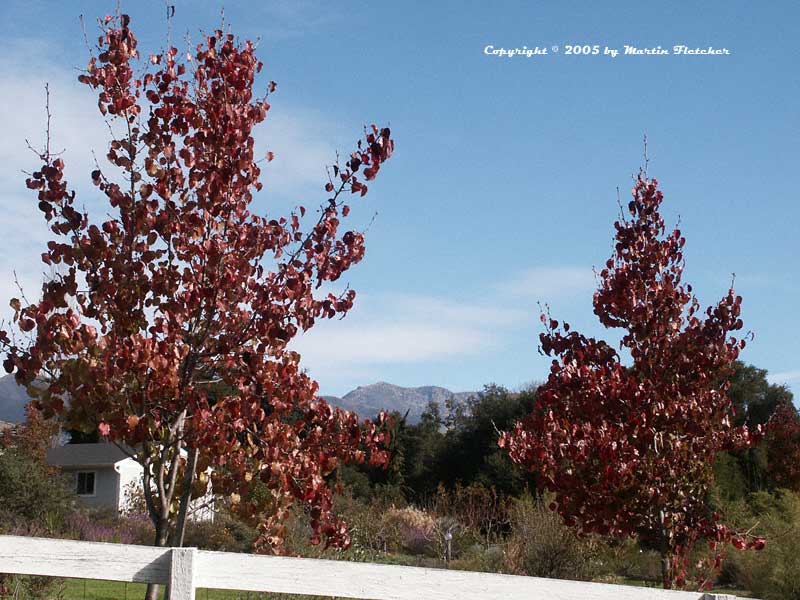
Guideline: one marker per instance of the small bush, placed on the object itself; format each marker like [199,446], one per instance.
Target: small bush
[772,573]
[619,561]
[540,545]
[224,533]
[371,526]
[30,493]
[478,557]
[26,587]
[415,528]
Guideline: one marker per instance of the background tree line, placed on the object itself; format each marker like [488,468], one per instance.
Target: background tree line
[457,445]
[447,475]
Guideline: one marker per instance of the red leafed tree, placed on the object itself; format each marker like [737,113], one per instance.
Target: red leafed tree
[628,450]
[166,327]
[783,447]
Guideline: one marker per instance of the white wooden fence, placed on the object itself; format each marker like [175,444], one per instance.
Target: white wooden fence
[188,568]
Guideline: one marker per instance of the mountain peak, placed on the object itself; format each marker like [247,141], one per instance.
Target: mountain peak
[13,399]
[368,400]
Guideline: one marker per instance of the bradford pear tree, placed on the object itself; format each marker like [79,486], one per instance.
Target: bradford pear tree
[167,324]
[628,448]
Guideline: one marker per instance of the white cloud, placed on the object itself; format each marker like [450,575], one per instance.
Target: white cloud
[784,377]
[303,142]
[547,283]
[74,129]
[444,310]
[401,329]
[76,126]
[409,328]
[394,329]
[374,342]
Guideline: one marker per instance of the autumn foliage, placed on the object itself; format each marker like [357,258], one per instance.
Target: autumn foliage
[167,324]
[628,449]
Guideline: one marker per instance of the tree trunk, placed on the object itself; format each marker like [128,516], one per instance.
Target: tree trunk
[162,531]
[666,555]
[185,499]
[152,591]
[166,480]
[666,570]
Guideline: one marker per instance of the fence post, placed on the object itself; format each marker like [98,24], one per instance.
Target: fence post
[181,574]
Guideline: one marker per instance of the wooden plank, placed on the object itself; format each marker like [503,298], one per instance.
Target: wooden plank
[90,560]
[181,574]
[248,572]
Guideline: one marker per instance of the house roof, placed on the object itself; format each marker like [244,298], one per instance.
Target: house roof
[86,455]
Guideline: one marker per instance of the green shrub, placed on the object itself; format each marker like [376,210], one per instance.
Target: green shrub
[224,533]
[772,573]
[372,530]
[540,545]
[31,495]
[622,561]
[478,557]
[29,587]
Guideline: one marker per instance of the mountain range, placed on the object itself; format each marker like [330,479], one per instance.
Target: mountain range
[367,400]
[13,399]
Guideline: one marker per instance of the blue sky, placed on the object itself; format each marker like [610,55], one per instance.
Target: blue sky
[502,191]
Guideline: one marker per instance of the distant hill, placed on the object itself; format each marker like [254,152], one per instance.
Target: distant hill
[13,399]
[368,400]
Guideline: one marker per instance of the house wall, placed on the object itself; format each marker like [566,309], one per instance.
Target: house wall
[106,482]
[202,509]
[113,485]
[130,478]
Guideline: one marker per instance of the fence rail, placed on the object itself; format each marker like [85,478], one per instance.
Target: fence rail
[186,569]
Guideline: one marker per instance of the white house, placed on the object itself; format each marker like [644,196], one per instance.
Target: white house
[103,475]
